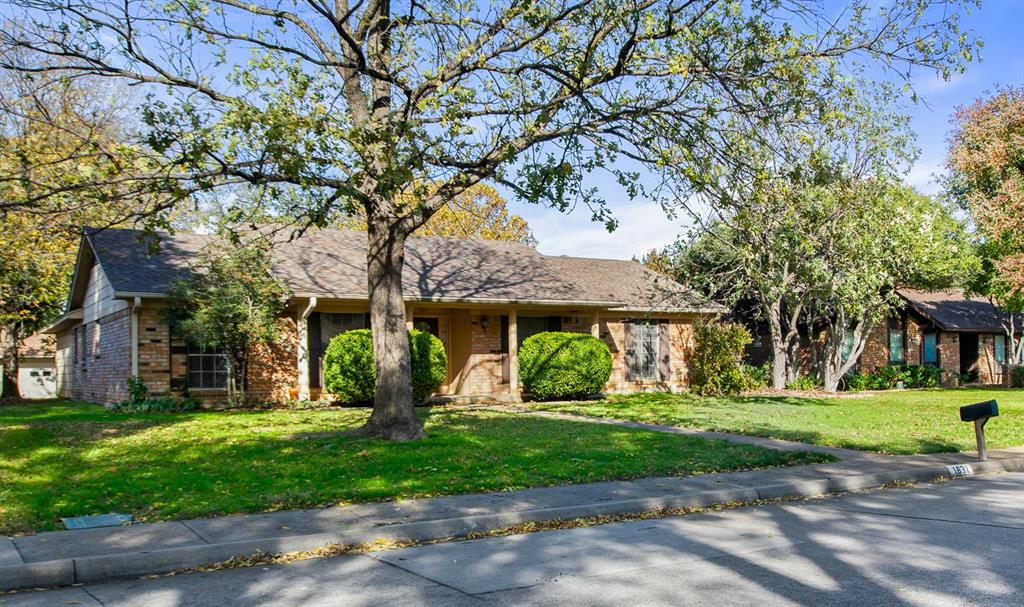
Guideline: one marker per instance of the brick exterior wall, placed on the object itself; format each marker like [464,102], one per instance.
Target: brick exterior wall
[949,358]
[989,371]
[100,359]
[876,349]
[273,370]
[484,370]
[156,367]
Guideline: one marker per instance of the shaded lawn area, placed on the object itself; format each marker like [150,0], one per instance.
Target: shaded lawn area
[66,459]
[896,422]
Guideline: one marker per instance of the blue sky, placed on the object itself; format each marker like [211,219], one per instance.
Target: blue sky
[643,226]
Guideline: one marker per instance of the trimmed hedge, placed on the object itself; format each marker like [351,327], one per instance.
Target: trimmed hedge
[350,372]
[564,365]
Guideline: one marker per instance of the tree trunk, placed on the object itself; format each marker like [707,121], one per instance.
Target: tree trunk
[394,412]
[9,340]
[779,350]
[835,367]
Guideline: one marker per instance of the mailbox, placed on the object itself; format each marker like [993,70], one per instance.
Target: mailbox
[977,411]
[980,413]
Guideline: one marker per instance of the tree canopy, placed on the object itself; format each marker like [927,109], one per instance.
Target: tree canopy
[986,162]
[230,303]
[479,212]
[397,108]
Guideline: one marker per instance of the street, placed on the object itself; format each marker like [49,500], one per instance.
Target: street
[956,543]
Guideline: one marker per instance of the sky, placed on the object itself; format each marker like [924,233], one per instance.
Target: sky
[644,226]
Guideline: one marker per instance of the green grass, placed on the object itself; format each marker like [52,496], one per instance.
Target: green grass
[67,459]
[896,422]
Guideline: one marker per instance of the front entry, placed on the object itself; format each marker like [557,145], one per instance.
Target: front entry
[969,356]
[430,325]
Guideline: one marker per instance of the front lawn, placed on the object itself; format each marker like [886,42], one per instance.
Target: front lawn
[898,421]
[66,459]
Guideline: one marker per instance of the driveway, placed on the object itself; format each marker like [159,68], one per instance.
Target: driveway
[957,543]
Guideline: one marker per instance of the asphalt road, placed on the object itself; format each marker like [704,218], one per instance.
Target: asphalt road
[958,543]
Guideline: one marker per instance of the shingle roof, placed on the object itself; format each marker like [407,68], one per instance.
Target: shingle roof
[950,310]
[37,345]
[331,264]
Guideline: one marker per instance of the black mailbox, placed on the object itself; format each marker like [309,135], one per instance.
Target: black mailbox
[978,411]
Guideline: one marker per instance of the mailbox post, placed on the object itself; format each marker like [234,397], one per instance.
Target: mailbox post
[980,413]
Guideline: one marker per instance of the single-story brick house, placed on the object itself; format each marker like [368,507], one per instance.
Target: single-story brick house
[964,336]
[481,298]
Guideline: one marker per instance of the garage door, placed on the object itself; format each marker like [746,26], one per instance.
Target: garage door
[37,380]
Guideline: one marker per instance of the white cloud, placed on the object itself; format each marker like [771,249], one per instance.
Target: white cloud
[934,84]
[925,177]
[642,226]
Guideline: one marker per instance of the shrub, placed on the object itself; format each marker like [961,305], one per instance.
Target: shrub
[717,356]
[804,383]
[564,365]
[137,390]
[921,376]
[757,377]
[856,382]
[162,404]
[350,372]
[886,378]
[1017,377]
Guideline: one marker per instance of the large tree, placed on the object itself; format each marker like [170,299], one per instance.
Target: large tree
[397,108]
[986,162]
[56,133]
[876,238]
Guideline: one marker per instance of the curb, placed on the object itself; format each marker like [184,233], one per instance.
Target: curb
[101,568]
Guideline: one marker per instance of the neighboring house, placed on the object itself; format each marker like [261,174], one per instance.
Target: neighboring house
[481,298]
[962,336]
[37,373]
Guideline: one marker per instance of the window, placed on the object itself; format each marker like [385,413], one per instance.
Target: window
[207,368]
[930,349]
[527,326]
[847,346]
[896,341]
[1000,347]
[645,339]
[323,326]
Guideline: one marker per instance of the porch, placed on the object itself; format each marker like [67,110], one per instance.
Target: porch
[481,342]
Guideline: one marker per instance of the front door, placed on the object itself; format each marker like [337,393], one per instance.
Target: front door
[969,355]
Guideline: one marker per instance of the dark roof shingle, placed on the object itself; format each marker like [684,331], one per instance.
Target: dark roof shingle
[331,264]
[951,310]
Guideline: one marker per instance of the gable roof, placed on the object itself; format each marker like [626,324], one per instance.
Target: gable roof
[331,264]
[951,310]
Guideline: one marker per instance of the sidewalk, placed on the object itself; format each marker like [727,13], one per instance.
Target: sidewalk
[92,555]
